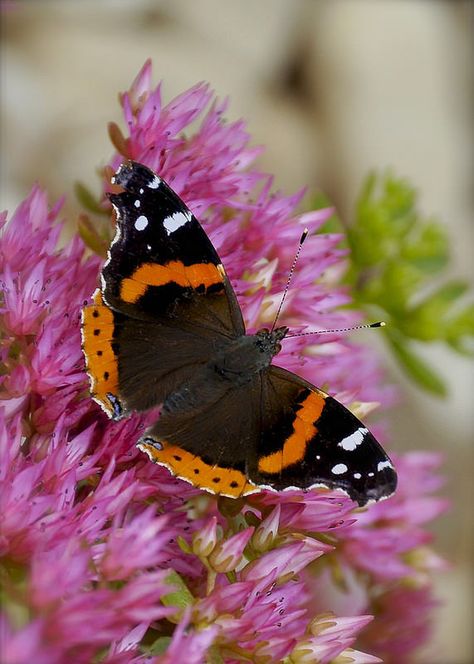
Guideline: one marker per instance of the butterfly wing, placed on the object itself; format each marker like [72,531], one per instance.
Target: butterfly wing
[166,308]
[276,432]
[209,443]
[161,259]
[309,439]
[166,304]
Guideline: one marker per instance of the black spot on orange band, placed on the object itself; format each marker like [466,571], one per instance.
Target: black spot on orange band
[193,469]
[101,362]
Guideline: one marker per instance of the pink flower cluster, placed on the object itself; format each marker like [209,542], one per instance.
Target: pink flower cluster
[105,557]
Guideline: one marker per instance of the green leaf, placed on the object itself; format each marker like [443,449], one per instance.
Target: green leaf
[417,368]
[87,199]
[91,237]
[181,597]
[159,646]
[430,320]
[451,291]
[384,216]
[460,332]
[427,248]
[183,545]
[396,253]
[396,286]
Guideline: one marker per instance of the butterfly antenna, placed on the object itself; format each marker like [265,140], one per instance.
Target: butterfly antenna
[290,275]
[379,323]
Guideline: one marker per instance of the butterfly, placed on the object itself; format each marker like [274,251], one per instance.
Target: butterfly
[165,328]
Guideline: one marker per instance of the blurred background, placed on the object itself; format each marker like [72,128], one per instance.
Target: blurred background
[333,89]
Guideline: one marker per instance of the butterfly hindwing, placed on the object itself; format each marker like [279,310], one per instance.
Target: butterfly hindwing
[277,432]
[208,437]
[310,439]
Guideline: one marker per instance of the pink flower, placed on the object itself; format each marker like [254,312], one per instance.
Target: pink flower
[397,522]
[123,651]
[91,533]
[257,616]
[140,543]
[323,512]
[25,645]
[404,621]
[286,561]
[267,531]
[205,540]
[330,638]
[228,554]
[188,648]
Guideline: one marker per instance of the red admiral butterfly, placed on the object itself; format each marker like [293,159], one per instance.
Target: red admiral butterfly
[166,328]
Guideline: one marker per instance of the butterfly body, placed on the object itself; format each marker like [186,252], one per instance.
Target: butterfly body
[233,366]
[166,329]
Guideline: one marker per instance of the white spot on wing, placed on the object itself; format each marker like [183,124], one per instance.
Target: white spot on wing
[141,223]
[141,191]
[357,476]
[354,440]
[383,464]
[339,469]
[137,203]
[176,220]
[155,183]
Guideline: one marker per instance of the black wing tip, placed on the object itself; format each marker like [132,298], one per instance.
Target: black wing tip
[384,487]
[132,176]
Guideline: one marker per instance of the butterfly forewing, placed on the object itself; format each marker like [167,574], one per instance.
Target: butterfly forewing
[165,305]
[161,258]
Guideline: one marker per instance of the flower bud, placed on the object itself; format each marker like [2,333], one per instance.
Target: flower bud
[228,554]
[267,531]
[205,540]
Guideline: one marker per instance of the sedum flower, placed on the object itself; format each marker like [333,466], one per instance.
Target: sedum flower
[399,549]
[403,622]
[205,540]
[228,554]
[267,530]
[285,561]
[106,557]
[329,641]
[189,647]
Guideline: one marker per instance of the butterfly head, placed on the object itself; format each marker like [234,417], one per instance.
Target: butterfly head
[268,341]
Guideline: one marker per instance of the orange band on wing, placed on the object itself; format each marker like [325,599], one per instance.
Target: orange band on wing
[193,469]
[294,448]
[152,274]
[97,336]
